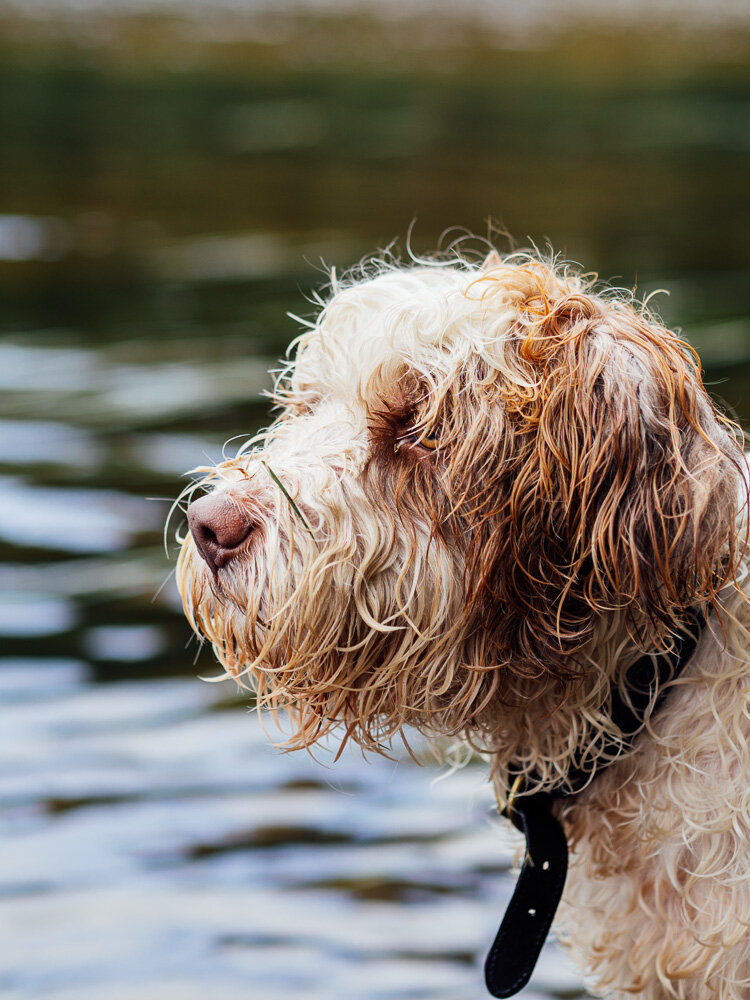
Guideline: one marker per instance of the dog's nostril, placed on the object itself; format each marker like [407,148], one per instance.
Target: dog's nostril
[218,527]
[207,535]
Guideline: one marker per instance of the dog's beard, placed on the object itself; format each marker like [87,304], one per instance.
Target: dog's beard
[340,615]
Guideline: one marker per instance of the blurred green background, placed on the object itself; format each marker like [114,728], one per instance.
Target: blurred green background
[171,185]
[174,177]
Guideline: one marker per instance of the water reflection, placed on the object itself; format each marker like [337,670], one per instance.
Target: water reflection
[156,818]
[26,238]
[71,520]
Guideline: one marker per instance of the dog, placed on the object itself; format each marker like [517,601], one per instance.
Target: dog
[492,487]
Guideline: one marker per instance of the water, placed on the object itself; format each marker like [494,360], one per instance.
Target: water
[162,206]
[154,846]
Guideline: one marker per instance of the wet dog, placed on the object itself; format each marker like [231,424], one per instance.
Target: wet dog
[490,489]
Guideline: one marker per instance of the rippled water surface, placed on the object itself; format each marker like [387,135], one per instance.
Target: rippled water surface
[167,193]
[153,846]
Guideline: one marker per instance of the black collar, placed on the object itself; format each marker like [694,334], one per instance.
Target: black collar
[529,915]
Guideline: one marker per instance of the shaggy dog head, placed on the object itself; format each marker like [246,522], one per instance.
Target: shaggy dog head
[488,489]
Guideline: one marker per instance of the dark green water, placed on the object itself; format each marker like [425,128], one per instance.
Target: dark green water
[157,220]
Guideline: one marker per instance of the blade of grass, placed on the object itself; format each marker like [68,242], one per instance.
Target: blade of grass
[292,504]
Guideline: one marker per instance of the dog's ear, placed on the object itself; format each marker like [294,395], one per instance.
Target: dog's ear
[616,486]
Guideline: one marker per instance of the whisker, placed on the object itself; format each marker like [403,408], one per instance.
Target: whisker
[291,502]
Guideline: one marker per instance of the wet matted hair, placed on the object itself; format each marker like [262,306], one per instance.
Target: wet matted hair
[490,487]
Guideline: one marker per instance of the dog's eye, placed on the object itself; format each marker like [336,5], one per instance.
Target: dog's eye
[424,437]
[429,439]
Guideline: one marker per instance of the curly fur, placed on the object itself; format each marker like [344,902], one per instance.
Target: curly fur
[490,488]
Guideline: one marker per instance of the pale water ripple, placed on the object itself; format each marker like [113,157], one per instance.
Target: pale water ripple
[152,844]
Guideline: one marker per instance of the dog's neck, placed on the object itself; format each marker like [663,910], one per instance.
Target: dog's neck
[577,731]
[631,705]
[532,908]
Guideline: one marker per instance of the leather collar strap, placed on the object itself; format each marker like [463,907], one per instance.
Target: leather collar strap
[532,908]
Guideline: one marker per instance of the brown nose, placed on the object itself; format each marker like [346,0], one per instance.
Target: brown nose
[218,527]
